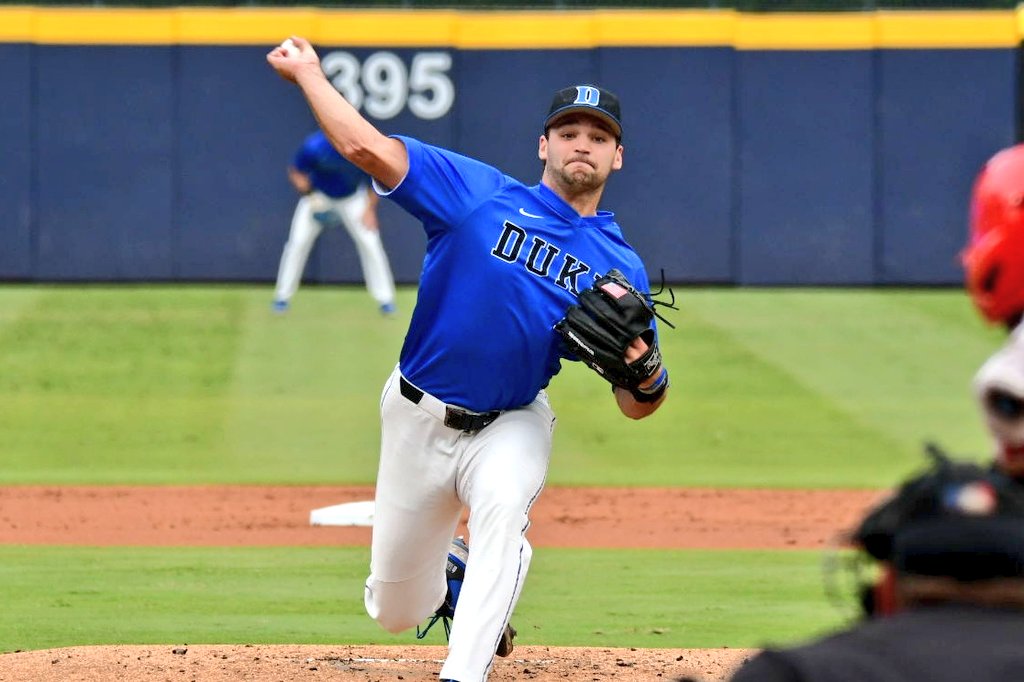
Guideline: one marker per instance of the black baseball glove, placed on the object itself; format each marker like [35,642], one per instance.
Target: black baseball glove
[610,315]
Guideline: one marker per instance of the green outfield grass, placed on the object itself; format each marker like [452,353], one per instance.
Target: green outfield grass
[190,384]
[63,596]
[193,384]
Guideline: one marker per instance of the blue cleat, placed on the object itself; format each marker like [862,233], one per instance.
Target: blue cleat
[455,573]
[387,309]
[280,306]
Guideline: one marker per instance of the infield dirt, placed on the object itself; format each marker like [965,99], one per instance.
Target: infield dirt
[258,515]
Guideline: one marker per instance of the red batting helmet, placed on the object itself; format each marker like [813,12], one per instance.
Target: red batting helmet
[993,259]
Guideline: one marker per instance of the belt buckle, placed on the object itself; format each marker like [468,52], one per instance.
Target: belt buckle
[464,420]
[457,418]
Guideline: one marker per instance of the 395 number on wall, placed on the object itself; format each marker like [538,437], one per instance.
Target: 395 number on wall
[382,86]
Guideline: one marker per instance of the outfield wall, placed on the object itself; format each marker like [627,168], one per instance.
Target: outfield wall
[760,149]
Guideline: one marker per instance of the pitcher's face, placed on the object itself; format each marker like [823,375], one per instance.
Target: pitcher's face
[579,153]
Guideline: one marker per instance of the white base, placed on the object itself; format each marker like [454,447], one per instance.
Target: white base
[347,514]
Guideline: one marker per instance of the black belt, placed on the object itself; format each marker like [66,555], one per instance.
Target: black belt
[454,417]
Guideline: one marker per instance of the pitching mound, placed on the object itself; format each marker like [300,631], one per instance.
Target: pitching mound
[224,663]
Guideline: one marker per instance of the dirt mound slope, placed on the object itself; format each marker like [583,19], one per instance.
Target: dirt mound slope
[229,663]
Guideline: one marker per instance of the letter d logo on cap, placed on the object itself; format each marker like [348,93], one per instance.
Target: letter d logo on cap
[587,95]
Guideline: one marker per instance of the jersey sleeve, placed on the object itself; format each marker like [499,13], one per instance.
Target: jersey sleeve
[442,188]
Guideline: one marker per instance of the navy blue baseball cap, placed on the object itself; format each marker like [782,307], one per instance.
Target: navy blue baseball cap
[957,520]
[586,99]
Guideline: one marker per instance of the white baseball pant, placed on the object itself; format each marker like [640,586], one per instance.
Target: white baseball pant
[304,232]
[427,473]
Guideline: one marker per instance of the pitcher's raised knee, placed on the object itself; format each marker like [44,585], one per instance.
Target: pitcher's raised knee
[393,607]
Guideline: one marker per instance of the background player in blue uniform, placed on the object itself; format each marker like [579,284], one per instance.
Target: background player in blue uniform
[333,193]
[465,419]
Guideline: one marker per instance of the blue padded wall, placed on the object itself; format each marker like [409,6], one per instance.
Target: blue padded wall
[941,115]
[747,167]
[238,124]
[805,133]
[16,163]
[105,162]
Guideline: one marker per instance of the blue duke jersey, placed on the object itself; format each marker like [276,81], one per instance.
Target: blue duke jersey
[503,263]
[328,170]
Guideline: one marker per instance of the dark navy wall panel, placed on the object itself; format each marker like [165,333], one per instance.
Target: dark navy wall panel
[239,124]
[941,115]
[105,162]
[134,163]
[15,162]
[805,135]
[673,196]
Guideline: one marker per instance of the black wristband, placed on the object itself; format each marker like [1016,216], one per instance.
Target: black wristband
[654,392]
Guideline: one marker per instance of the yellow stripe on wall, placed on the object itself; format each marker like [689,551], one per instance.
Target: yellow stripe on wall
[514,29]
[785,31]
[669,28]
[398,28]
[16,24]
[242,26]
[952,29]
[70,25]
[526,30]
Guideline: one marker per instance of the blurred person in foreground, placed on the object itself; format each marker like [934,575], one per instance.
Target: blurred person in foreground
[993,263]
[947,604]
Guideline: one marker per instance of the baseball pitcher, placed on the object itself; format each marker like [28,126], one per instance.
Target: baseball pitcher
[516,279]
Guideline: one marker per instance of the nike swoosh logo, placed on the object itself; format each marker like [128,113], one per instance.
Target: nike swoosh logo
[522,211]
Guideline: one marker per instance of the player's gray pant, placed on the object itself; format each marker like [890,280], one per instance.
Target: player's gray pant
[427,473]
[304,232]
